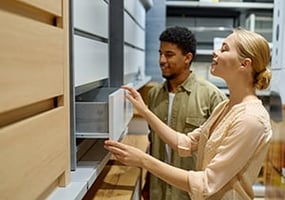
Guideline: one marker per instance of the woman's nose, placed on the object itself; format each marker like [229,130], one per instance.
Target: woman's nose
[215,53]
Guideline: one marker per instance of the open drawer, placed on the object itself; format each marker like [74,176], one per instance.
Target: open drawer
[102,113]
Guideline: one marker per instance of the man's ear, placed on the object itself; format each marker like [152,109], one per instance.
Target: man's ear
[188,57]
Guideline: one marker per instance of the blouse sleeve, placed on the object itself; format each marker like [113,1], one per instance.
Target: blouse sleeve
[232,155]
[187,144]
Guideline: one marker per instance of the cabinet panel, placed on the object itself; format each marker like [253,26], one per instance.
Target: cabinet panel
[52,6]
[31,61]
[136,9]
[133,34]
[33,155]
[117,111]
[278,50]
[134,61]
[91,16]
[90,60]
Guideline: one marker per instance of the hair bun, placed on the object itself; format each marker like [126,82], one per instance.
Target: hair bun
[263,79]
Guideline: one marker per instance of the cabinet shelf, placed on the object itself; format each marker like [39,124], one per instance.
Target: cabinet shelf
[204,52]
[210,29]
[232,5]
[217,19]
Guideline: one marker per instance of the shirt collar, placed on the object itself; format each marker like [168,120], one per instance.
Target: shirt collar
[186,85]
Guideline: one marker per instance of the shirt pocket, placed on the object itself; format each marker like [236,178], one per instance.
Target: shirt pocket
[192,123]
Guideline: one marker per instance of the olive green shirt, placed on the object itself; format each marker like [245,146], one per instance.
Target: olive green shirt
[194,101]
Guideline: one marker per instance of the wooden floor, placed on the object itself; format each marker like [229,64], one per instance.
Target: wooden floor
[274,181]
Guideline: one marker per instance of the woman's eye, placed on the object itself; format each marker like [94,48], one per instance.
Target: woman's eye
[223,49]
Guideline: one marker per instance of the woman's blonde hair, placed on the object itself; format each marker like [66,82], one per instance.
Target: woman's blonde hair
[254,46]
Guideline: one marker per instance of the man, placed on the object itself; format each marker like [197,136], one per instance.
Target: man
[182,101]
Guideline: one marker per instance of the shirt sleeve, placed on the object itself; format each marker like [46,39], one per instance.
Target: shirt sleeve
[232,155]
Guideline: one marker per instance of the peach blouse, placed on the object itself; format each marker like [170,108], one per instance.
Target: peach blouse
[230,159]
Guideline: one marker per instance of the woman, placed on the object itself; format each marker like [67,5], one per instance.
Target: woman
[232,144]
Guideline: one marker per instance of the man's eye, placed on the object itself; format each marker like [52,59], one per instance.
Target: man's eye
[168,55]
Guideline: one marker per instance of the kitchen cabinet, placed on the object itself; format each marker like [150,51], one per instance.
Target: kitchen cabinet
[107,39]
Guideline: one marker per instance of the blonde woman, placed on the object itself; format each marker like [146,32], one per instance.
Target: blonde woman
[232,144]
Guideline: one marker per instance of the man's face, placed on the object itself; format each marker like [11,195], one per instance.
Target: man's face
[171,60]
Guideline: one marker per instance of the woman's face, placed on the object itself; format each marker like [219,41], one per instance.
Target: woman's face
[226,60]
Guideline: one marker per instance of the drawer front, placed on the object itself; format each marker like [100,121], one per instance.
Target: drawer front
[117,124]
[133,33]
[136,10]
[134,60]
[90,60]
[33,154]
[31,61]
[92,17]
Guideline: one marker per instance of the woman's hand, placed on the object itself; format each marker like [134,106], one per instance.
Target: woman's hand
[135,98]
[126,154]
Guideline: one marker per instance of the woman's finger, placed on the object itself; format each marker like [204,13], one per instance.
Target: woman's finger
[132,91]
[114,150]
[116,144]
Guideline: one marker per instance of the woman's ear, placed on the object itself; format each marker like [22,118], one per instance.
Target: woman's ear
[246,62]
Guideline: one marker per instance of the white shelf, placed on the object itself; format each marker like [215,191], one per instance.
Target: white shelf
[141,82]
[82,178]
[206,52]
[233,5]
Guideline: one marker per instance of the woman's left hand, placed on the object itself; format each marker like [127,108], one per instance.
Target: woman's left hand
[126,154]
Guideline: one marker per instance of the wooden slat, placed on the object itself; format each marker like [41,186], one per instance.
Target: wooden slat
[34,153]
[31,61]
[120,183]
[51,6]
[22,113]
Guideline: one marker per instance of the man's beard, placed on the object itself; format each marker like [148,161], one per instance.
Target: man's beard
[169,77]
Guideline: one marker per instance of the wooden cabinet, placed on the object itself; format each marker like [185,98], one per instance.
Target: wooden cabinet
[34,103]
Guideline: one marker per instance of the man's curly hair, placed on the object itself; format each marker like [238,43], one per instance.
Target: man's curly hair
[182,37]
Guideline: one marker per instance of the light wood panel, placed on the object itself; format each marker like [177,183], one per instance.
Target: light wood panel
[52,6]
[31,61]
[33,152]
[34,103]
